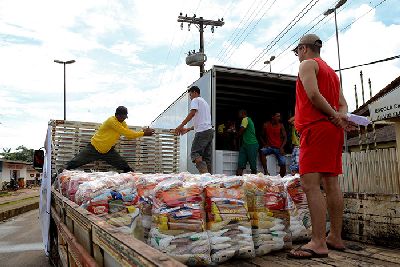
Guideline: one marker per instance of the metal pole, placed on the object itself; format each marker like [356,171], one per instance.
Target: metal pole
[355,92]
[201,44]
[270,67]
[65,96]
[370,88]
[362,86]
[338,51]
[373,123]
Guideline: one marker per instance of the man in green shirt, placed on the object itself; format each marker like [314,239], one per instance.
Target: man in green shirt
[249,148]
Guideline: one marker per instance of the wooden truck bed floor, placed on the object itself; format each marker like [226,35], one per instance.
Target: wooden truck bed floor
[369,255]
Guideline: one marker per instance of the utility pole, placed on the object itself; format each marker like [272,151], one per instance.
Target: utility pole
[198,58]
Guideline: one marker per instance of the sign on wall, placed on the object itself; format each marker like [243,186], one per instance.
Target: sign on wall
[387,107]
[16,166]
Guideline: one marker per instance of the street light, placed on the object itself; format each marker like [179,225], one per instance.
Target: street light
[326,13]
[268,62]
[65,94]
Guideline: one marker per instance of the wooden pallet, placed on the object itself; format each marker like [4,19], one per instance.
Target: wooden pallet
[151,154]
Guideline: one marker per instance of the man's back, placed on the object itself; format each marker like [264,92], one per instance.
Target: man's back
[109,133]
[329,86]
[249,135]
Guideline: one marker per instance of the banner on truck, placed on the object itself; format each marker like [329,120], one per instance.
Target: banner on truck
[45,193]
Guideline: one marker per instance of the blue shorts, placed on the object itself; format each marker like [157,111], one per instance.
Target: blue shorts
[294,166]
[272,150]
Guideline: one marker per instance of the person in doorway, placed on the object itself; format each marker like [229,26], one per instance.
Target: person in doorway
[101,146]
[231,135]
[295,138]
[320,118]
[273,140]
[249,147]
[221,136]
[200,112]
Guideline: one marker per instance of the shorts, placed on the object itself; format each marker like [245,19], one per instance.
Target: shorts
[202,145]
[248,153]
[294,163]
[321,146]
[273,150]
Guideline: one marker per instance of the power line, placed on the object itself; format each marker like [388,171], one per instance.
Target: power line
[237,27]
[295,20]
[184,42]
[169,53]
[295,41]
[371,63]
[240,34]
[340,30]
[251,30]
[212,41]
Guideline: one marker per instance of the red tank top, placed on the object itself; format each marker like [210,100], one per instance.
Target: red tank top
[274,135]
[329,87]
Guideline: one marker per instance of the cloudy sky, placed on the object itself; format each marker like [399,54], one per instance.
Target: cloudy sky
[132,53]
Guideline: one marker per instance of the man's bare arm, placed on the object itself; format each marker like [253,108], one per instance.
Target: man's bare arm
[308,76]
[180,129]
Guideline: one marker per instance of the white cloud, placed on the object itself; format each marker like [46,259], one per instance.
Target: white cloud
[121,51]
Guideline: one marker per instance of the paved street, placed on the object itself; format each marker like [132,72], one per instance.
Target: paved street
[21,241]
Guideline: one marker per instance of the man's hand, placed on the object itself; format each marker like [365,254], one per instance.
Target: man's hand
[178,130]
[148,131]
[341,120]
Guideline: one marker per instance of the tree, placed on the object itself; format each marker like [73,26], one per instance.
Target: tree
[21,153]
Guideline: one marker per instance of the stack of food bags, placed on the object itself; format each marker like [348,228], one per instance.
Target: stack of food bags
[300,220]
[71,180]
[109,195]
[228,221]
[178,225]
[266,199]
[123,212]
[145,184]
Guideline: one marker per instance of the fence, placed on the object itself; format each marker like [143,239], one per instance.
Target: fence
[372,171]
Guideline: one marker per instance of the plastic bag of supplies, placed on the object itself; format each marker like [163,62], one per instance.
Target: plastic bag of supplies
[178,224]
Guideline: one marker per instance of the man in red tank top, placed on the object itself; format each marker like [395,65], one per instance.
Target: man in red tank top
[320,117]
[273,140]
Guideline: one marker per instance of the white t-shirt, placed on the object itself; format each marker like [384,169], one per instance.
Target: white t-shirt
[202,118]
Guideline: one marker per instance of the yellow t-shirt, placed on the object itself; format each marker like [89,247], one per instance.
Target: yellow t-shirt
[221,128]
[109,133]
[295,137]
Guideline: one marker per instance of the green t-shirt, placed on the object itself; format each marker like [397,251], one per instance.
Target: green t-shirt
[249,134]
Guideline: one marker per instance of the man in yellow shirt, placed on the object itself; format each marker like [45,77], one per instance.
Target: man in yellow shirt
[101,146]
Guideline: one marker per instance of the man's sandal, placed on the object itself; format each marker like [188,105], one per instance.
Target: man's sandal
[311,254]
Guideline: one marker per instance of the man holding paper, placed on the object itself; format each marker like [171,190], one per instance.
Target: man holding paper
[320,119]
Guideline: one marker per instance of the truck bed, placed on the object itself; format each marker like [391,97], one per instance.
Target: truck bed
[368,255]
[85,240]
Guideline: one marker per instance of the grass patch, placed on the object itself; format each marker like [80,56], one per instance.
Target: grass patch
[4,193]
[18,201]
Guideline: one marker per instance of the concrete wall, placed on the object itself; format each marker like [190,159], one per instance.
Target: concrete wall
[372,218]
[20,168]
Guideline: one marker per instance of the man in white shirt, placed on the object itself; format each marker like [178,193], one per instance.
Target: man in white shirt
[200,112]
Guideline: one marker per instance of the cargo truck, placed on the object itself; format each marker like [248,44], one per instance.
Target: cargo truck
[74,237]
